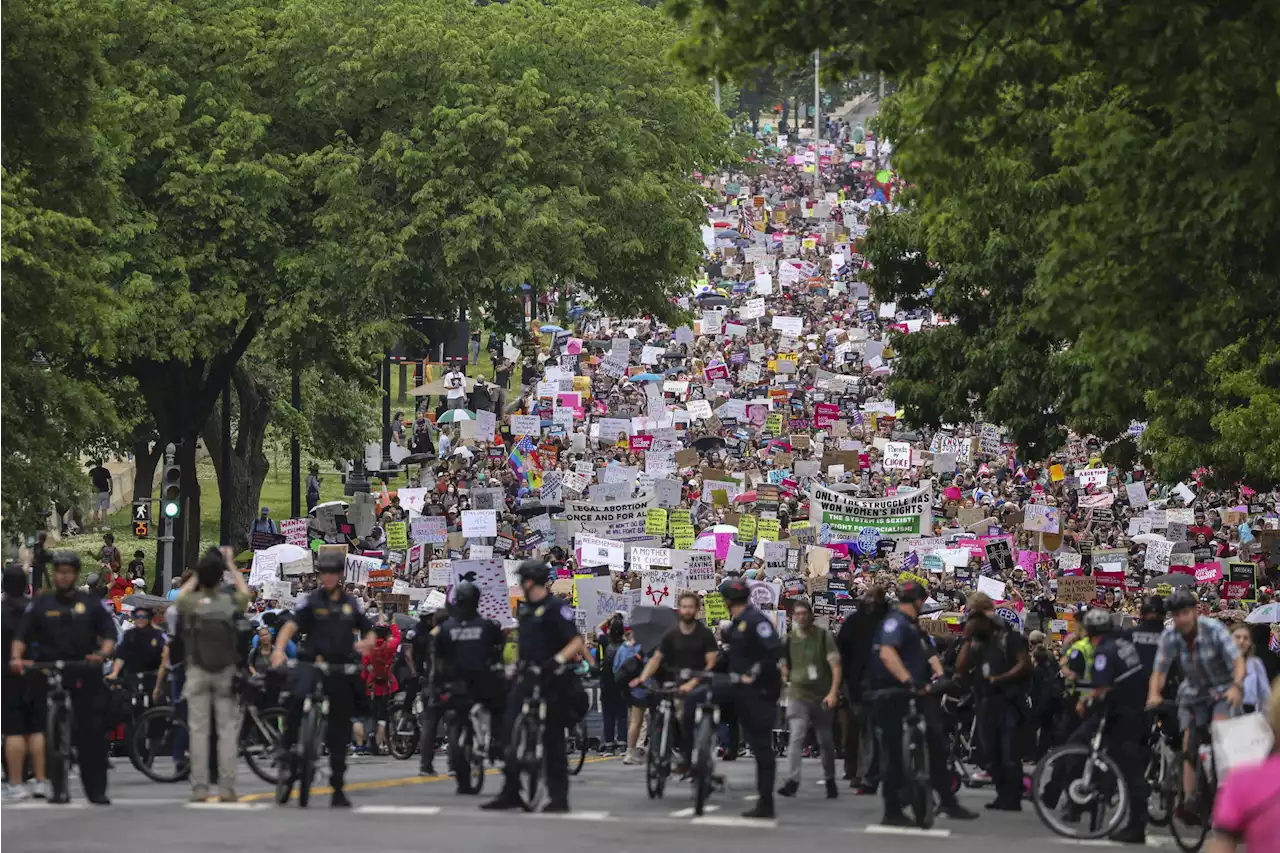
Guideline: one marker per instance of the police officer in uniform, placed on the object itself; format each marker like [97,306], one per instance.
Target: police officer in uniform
[69,625]
[1119,675]
[549,638]
[331,620]
[468,648]
[903,656]
[421,656]
[141,648]
[754,649]
[1146,634]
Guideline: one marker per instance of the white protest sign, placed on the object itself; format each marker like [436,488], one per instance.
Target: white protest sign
[793,326]
[486,424]
[266,568]
[897,454]
[1137,493]
[595,551]
[1040,518]
[430,529]
[645,557]
[478,523]
[1096,477]
[992,587]
[525,425]
[294,530]
[699,568]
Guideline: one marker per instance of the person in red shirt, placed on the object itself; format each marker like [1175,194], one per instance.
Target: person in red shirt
[118,586]
[379,676]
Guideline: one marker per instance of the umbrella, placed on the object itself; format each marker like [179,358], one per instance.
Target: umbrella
[728,234]
[549,328]
[454,415]
[405,621]
[1264,615]
[712,300]
[464,452]
[287,553]
[650,624]
[531,509]
[417,458]
[338,504]
[1183,548]
[745,497]
[708,442]
[1149,538]
[646,377]
[1172,579]
[141,599]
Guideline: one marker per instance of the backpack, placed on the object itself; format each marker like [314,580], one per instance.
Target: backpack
[211,631]
[381,659]
[608,653]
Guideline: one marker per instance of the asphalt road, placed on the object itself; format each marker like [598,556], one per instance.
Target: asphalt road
[396,810]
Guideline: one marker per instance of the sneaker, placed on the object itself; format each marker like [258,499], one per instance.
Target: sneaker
[39,790]
[631,758]
[338,800]
[832,791]
[228,795]
[789,788]
[980,777]
[199,795]
[15,793]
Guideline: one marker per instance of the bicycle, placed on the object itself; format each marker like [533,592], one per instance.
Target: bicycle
[1094,785]
[1190,836]
[470,743]
[402,728]
[310,742]
[576,743]
[657,759]
[59,720]
[526,738]
[1161,770]
[915,749]
[706,722]
[153,746]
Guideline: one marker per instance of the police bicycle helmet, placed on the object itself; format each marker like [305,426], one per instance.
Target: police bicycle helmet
[466,597]
[735,591]
[1098,621]
[537,571]
[67,558]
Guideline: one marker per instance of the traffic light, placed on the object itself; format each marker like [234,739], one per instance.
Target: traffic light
[171,490]
[142,518]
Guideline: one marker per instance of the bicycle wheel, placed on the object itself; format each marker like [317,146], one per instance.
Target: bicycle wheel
[57,753]
[923,805]
[655,768]
[577,745]
[527,749]
[158,746]
[260,743]
[1070,784]
[1190,836]
[1161,779]
[462,755]
[704,745]
[308,741]
[402,737]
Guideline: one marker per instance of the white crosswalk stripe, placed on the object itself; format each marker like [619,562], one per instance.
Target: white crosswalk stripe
[395,810]
[880,829]
[689,812]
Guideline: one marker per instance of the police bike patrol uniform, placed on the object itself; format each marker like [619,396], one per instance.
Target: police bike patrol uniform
[468,648]
[331,627]
[69,627]
[546,627]
[754,648]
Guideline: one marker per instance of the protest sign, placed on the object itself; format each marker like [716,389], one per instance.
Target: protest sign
[907,514]
[1074,589]
[479,523]
[609,520]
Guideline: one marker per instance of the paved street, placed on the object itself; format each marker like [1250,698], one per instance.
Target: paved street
[397,810]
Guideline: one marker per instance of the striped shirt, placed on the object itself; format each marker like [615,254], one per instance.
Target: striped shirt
[1207,664]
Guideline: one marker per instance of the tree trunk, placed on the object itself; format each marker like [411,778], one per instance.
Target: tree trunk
[242,485]
[401,395]
[786,103]
[145,459]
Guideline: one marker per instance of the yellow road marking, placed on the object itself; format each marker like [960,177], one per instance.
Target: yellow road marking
[377,784]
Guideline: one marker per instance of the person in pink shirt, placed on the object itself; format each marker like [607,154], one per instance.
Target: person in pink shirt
[1247,810]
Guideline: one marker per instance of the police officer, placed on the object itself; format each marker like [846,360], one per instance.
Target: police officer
[140,649]
[1146,634]
[330,619]
[548,638]
[468,648]
[902,656]
[1118,675]
[65,624]
[420,655]
[754,648]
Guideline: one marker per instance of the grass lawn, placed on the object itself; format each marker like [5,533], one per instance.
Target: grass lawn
[275,490]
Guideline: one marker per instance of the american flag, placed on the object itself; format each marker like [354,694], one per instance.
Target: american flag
[525,445]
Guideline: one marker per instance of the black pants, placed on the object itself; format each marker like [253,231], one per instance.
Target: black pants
[89,734]
[613,710]
[757,713]
[998,725]
[889,717]
[341,691]
[556,760]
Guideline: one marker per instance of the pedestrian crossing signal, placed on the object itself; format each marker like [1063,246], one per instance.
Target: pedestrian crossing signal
[141,529]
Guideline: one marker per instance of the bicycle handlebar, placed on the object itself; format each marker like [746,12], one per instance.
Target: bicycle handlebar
[326,667]
[933,688]
[721,677]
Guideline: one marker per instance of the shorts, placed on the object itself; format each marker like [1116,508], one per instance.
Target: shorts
[23,706]
[104,500]
[1203,713]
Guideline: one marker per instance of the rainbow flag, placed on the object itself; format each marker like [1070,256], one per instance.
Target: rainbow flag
[524,462]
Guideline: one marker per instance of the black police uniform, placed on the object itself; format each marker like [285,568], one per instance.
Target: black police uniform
[753,642]
[331,628]
[69,628]
[141,650]
[1118,665]
[466,651]
[546,627]
[903,633]
[419,639]
[22,695]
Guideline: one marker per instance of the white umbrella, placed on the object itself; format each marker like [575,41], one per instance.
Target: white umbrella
[287,553]
[464,452]
[1149,538]
[339,504]
[1264,615]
